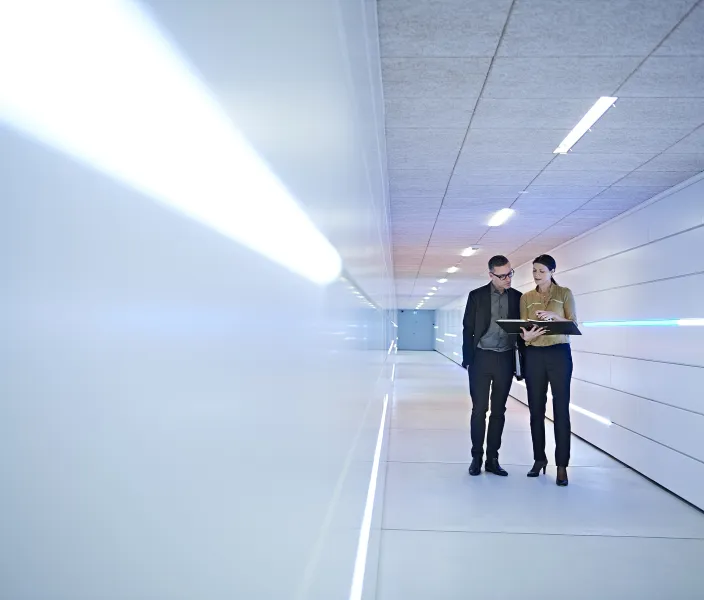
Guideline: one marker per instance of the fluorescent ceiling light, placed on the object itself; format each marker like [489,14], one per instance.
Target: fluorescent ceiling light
[593,115]
[453,269]
[442,280]
[469,251]
[500,217]
[97,80]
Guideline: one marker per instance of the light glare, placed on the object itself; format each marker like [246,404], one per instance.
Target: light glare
[97,80]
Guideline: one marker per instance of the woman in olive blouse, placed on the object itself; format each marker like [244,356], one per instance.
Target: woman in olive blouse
[548,360]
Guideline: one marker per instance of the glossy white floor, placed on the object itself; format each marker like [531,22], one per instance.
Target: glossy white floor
[449,536]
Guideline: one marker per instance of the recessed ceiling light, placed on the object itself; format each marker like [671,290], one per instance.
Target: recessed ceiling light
[431,293]
[500,217]
[434,289]
[453,269]
[443,280]
[469,251]
[593,115]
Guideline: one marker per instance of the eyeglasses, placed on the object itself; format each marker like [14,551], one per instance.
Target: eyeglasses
[502,277]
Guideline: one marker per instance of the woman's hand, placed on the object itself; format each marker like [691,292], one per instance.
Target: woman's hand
[548,315]
[530,334]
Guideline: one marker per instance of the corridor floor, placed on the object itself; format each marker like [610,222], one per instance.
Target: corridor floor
[611,534]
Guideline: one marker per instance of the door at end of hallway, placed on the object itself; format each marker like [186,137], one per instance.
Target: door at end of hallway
[416,329]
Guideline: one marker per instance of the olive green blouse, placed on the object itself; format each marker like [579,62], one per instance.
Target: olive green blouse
[560,301]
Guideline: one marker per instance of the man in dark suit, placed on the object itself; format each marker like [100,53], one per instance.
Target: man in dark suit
[489,355]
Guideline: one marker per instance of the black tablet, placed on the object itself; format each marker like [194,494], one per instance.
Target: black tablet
[551,327]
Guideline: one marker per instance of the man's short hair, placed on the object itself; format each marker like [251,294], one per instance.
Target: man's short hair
[497,261]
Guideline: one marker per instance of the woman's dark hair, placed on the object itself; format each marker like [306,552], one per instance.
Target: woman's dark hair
[547,261]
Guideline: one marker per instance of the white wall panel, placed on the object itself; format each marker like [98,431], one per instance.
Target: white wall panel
[672,384]
[181,417]
[666,299]
[648,380]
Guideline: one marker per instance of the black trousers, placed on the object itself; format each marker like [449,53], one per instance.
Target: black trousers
[553,365]
[490,370]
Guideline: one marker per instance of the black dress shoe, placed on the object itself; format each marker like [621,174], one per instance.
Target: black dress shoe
[493,466]
[537,466]
[562,480]
[476,467]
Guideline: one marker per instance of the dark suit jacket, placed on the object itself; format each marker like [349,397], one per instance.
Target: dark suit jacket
[477,318]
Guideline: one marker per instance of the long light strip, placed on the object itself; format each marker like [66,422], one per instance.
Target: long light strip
[360,563]
[98,80]
[647,323]
[590,414]
[593,115]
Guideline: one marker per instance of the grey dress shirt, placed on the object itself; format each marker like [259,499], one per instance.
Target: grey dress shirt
[496,339]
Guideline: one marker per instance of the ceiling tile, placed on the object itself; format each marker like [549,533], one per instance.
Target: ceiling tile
[597,214]
[654,178]
[482,161]
[518,114]
[527,205]
[414,205]
[634,192]
[671,161]
[564,191]
[428,112]
[593,28]
[417,183]
[686,40]
[563,77]
[423,148]
[693,143]
[463,192]
[476,177]
[519,141]
[441,27]
[611,204]
[635,113]
[434,77]
[640,138]
[471,206]
[586,178]
[598,162]
[667,76]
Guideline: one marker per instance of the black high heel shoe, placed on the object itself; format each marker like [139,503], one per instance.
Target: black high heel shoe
[535,471]
[562,480]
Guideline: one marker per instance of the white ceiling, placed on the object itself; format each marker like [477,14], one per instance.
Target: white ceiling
[480,92]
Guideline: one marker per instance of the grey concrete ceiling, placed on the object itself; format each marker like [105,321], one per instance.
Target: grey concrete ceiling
[479,93]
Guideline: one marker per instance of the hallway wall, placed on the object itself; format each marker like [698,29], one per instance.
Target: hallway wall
[636,367]
[180,417]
